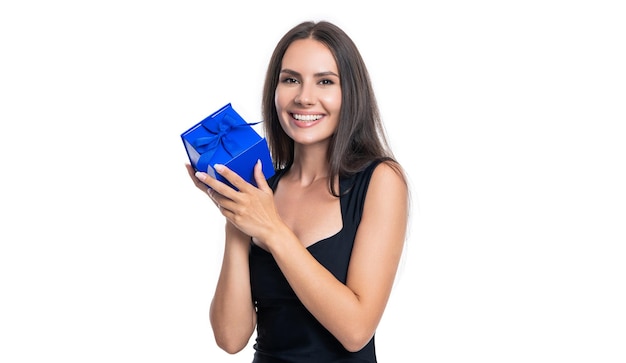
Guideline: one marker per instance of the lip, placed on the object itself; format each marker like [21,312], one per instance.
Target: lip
[304,124]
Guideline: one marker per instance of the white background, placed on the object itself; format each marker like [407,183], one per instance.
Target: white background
[507,115]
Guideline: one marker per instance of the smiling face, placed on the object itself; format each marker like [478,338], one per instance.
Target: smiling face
[308,95]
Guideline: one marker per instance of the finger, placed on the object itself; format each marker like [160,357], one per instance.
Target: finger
[216,198]
[223,204]
[196,177]
[192,173]
[261,182]
[219,192]
[201,176]
[190,170]
[234,178]
[203,180]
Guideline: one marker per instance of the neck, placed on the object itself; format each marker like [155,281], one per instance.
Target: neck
[309,167]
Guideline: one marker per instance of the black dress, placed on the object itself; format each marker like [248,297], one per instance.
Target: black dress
[286,331]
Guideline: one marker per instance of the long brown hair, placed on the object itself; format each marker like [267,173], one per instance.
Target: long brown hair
[360,137]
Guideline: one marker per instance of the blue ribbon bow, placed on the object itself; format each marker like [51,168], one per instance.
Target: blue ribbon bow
[220,131]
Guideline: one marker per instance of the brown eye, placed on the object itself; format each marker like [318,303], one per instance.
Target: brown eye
[289,80]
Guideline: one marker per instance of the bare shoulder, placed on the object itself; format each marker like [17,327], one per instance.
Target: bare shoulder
[388,192]
[389,176]
[381,234]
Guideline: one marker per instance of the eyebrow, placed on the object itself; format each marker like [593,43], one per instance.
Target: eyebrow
[319,74]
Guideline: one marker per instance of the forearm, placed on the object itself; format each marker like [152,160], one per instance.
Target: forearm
[332,303]
[232,313]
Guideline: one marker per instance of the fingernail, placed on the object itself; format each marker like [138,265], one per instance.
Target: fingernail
[218,167]
[199,175]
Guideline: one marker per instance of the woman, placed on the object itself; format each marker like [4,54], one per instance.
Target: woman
[311,255]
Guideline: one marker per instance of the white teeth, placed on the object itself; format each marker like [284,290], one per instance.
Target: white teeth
[307,118]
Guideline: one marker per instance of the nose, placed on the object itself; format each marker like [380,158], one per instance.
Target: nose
[306,96]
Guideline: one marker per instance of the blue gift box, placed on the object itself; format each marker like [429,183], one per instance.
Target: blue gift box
[226,138]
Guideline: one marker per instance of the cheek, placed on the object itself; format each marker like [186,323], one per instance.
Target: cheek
[280,103]
[332,101]
[282,97]
[276,102]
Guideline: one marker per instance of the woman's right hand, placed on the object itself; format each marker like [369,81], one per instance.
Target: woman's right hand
[197,182]
[192,174]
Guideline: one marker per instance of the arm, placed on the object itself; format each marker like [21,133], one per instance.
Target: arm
[351,312]
[232,313]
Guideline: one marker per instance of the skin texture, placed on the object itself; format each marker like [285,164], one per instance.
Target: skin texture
[303,211]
